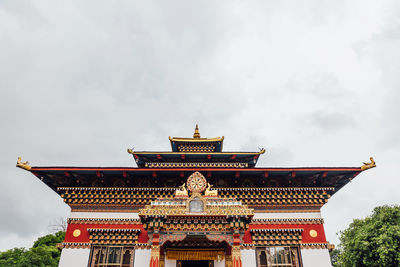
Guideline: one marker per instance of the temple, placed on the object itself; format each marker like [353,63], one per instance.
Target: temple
[195,206]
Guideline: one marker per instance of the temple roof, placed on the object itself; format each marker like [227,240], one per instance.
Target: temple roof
[189,155]
[145,159]
[196,144]
[221,177]
[195,152]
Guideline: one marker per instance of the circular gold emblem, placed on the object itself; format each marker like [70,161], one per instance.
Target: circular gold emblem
[313,233]
[196,182]
[76,233]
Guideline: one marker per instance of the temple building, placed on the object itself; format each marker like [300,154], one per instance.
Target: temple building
[195,206]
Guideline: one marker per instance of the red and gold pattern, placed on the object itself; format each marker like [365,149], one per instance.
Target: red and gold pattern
[114,231]
[101,236]
[196,165]
[132,199]
[305,231]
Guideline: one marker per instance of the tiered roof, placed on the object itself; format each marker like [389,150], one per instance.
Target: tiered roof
[196,144]
[159,173]
[195,152]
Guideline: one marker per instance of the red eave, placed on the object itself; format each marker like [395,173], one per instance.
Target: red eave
[356,169]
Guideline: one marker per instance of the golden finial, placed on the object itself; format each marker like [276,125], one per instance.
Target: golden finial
[210,192]
[23,165]
[181,191]
[196,132]
[368,165]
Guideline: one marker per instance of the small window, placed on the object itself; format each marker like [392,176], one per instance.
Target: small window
[263,259]
[110,256]
[278,256]
[196,205]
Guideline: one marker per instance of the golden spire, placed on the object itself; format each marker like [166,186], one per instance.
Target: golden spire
[196,132]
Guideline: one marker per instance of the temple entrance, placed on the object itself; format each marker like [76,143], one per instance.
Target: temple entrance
[195,263]
[195,251]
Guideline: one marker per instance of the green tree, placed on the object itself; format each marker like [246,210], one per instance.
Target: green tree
[44,253]
[373,241]
[50,240]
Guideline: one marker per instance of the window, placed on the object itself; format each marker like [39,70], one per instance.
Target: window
[196,205]
[278,257]
[112,256]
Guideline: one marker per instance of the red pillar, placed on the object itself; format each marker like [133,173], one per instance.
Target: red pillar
[236,257]
[155,251]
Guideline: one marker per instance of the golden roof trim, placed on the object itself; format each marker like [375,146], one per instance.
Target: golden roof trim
[130,151]
[195,140]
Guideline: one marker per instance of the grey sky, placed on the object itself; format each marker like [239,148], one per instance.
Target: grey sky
[316,83]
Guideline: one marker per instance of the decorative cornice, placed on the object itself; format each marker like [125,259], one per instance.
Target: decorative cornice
[173,210]
[142,246]
[276,237]
[276,189]
[105,208]
[113,236]
[277,230]
[288,209]
[314,245]
[272,199]
[102,221]
[117,188]
[196,165]
[74,245]
[247,246]
[220,188]
[113,230]
[288,221]
[194,153]
[195,140]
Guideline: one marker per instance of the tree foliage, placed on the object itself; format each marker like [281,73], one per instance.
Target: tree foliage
[44,253]
[373,241]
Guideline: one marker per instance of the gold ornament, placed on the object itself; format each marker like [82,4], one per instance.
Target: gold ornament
[313,233]
[210,192]
[196,182]
[76,233]
[181,191]
[368,165]
[23,165]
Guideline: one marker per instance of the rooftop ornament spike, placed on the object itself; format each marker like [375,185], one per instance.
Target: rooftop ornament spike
[23,165]
[196,132]
[368,165]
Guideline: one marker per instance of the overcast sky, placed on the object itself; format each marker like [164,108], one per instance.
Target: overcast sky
[314,82]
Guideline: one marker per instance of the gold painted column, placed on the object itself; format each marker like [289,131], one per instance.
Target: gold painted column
[155,256]
[236,257]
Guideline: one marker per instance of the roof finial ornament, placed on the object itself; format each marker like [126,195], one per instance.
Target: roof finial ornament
[196,132]
[368,165]
[23,165]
